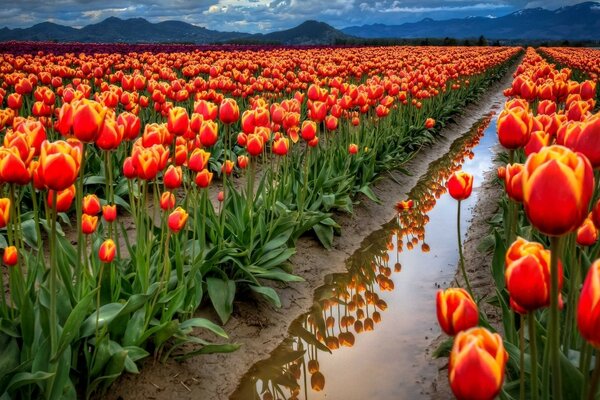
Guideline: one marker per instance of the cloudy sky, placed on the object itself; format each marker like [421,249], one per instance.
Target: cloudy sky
[257,15]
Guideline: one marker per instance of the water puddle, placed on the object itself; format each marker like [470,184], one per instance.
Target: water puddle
[365,336]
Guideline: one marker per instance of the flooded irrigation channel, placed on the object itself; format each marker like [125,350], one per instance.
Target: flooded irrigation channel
[367,332]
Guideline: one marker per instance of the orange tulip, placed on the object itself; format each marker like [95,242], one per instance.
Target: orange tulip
[131,125]
[229,111]
[281,146]
[15,101]
[4,212]
[429,123]
[242,161]
[109,212]
[537,140]
[177,219]
[588,309]
[587,234]
[527,276]
[514,126]
[460,185]
[352,148]
[167,201]
[88,116]
[456,310]
[209,133]
[12,167]
[476,367]
[331,123]
[10,256]
[110,136]
[173,177]
[91,204]
[587,140]
[254,144]
[309,130]
[198,160]
[204,178]
[178,121]
[404,205]
[64,198]
[227,167]
[88,224]
[557,188]
[513,181]
[129,169]
[107,251]
[59,164]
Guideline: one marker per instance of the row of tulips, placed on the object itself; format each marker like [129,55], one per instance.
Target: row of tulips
[354,303]
[139,138]
[545,247]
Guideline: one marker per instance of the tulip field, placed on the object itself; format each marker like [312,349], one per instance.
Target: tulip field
[142,187]
[544,241]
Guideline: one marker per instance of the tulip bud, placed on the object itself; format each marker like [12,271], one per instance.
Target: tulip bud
[587,234]
[91,204]
[456,310]
[209,133]
[203,178]
[173,177]
[254,144]
[4,212]
[109,212]
[88,116]
[198,160]
[556,212]
[242,161]
[513,181]
[527,276]
[178,121]
[10,256]
[88,224]
[59,164]
[107,251]
[177,219]
[64,198]
[229,112]
[460,185]
[537,140]
[514,126]
[309,130]
[227,167]
[429,123]
[167,201]
[588,309]
[477,362]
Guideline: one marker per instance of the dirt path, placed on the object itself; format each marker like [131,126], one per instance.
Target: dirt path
[260,328]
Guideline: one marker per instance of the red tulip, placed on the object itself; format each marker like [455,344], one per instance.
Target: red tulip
[178,122]
[588,309]
[4,212]
[476,367]
[109,212]
[527,276]
[107,251]
[204,178]
[88,116]
[209,133]
[460,185]
[229,112]
[177,219]
[59,164]
[167,201]
[10,256]
[64,198]
[173,177]
[91,204]
[557,188]
[587,234]
[88,224]
[456,310]
[514,126]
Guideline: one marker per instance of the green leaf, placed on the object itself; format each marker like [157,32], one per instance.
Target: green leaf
[105,315]
[204,324]
[73,323]
[221,293]
[572,378]
[279,275]
[210,349]
[26,378]
[325,235]
[366,190]
[269,293]
[443,350]
[498,261]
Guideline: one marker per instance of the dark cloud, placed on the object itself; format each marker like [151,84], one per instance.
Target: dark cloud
[257,15]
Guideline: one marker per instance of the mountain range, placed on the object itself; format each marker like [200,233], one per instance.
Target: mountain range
[577,22]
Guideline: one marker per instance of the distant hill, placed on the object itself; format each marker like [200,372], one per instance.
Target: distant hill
[112,29]
[577,22]
[139,30]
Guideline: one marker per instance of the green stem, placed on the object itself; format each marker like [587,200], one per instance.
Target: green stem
[460,252]
[53,317]
[554,327]
[522,359]
[533,359]
[595,378]
[79,212]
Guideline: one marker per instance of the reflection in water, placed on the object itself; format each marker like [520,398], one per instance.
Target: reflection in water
[350,303]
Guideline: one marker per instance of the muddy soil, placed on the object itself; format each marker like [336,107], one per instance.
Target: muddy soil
[259,327]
